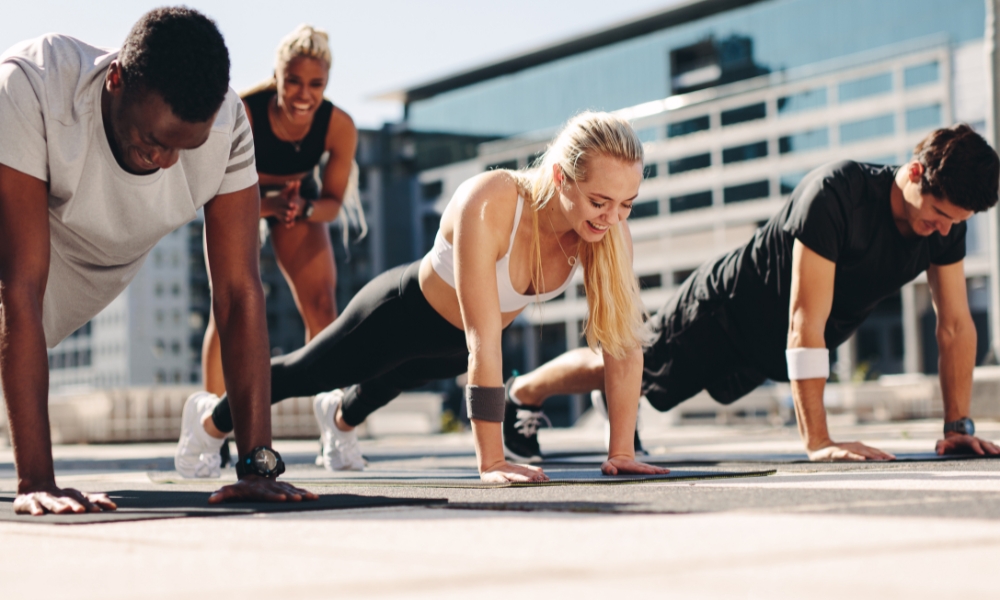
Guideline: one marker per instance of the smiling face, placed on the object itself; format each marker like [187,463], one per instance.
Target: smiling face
[301,82]
[917,213]
[143,131]
[591,207]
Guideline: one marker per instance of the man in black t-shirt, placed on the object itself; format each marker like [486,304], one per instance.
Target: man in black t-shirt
[850,235]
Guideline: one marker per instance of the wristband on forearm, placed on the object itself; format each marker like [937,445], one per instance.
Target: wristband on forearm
[485,403]
[808,363]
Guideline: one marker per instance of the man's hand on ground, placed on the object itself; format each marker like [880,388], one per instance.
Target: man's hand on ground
[621,465]
[63,501]
[848,451]
[505,471]
[260,489]
[959,443]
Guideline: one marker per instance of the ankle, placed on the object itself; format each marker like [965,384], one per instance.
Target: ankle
[521,394]
[209,425]
[338,422]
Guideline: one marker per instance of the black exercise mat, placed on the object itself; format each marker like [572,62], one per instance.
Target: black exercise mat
[707,459]
[470,479]
[141,505]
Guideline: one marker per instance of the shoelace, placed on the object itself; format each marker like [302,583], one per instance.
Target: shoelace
[528,421]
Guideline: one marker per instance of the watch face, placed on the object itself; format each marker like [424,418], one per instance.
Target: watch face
[265,460]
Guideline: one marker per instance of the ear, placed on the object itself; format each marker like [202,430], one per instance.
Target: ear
[113,80]
[557,174]
[915,172]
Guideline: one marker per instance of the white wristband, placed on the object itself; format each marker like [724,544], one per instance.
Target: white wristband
[808,363]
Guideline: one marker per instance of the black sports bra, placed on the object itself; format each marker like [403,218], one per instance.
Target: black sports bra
[278,157]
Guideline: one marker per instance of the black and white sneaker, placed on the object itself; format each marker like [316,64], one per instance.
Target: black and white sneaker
[600,404]
[520,429]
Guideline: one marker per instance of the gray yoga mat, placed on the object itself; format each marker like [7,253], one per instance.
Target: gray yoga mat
[140,505]
[467,478]
[586,459]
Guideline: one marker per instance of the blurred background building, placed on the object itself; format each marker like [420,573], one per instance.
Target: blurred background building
[735,100]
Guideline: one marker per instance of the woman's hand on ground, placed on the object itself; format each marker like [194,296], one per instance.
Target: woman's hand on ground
[509,472]
[622,465]
[260,489]
[848,451]
[52,499]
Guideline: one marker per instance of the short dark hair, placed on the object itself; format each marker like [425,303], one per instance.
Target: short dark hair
[960,167]
[180,54]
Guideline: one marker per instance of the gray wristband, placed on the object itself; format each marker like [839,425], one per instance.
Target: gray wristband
[485,403]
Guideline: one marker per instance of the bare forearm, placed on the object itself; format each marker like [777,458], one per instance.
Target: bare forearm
[243,332]
[326,209]
[623,383]
[25,377]
[955,365]
[810,413]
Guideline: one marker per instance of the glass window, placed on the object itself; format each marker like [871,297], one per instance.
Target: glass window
[646,135]
[744,152]
[865,87]
[686,127]
[650,281]
[921,74]
[690,201]
[806,100]
[856,131]
[641,210]
[689,163]
[431,190]
[649,171]
[746,191]
[807,140]
[507,164]
[923,117]
[788,181]
[744,114]
[681,276]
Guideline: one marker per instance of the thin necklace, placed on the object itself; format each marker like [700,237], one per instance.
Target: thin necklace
[569,259]
[297,144]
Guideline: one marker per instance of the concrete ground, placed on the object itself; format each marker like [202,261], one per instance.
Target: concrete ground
[878,530]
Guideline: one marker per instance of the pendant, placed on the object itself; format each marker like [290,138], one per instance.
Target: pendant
[571,260]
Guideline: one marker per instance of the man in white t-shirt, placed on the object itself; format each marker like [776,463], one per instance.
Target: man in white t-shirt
[102,153]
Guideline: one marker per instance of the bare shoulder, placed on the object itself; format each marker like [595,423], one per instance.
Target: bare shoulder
[485,204]
[341,129]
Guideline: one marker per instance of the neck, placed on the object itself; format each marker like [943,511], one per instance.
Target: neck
[897,202]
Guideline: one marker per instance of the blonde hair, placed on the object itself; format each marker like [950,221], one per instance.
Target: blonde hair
[616,315]
[307,41]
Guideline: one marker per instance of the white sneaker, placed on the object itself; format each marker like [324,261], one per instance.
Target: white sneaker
[197,452]
[340,448]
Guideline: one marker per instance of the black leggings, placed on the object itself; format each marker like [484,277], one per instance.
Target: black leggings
[388,340]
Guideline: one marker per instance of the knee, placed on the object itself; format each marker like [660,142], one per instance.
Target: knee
[321,306]
[593,364]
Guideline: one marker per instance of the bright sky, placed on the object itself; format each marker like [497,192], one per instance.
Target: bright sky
[378,45]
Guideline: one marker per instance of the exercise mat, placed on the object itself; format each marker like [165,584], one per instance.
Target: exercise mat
[714,458]
[468,478]
[141,505]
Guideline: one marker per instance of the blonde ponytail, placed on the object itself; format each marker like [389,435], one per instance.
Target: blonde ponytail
[616,315]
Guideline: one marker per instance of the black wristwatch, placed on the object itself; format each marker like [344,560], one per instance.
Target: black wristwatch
[261,461]
[963,425]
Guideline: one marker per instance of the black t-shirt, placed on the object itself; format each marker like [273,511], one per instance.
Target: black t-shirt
[842,212]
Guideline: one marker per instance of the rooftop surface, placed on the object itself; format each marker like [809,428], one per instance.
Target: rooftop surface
[910,528]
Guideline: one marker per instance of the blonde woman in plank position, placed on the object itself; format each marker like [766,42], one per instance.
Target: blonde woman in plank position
[507,239]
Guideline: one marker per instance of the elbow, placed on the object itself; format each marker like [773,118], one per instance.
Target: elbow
[804,332]
[953,332]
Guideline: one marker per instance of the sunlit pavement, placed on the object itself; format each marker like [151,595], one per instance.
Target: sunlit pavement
[913,529]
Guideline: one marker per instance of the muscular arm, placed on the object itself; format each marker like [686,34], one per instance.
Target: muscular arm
[232,246]
[24,365]
[956,338]
[341,143]
[480,237]
[811,302]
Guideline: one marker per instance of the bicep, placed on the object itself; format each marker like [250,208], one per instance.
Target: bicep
[342,143]
[475,273]
[811,289]
[948,291]
[232,241]
[24,230]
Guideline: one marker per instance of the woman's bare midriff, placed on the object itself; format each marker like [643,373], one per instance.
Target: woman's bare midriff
[444,299]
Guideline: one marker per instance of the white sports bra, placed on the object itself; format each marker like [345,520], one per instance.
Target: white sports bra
[442,257]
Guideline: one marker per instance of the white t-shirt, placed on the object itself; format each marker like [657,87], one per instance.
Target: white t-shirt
[103,221]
